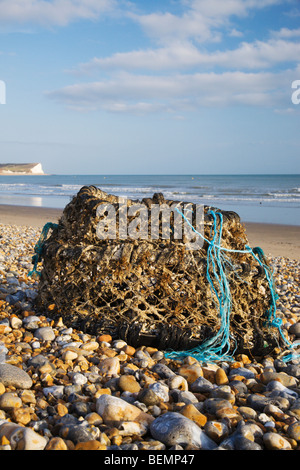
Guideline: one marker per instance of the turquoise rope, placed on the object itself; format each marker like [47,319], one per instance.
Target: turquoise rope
[39,247]
[218,347]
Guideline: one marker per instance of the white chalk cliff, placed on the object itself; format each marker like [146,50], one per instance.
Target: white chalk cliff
[21,169]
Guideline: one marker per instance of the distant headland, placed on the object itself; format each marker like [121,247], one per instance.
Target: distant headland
[21,169]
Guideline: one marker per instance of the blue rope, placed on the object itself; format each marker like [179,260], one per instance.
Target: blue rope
[218,347]
[39,247]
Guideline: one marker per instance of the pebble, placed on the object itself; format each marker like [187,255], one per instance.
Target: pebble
[63,389]
[161,390]
[129,383]
[172,428]
[45,333]
[9,400]
[274,441]
[22,438]
[109,366]
[12,375]
[114,410]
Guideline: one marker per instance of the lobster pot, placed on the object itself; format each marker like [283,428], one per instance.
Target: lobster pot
[151,290]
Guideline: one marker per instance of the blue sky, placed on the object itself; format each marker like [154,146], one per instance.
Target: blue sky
[151,87]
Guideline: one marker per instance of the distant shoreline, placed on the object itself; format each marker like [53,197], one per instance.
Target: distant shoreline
[21,169]
[12,173]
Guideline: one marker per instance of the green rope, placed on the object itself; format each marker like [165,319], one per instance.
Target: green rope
[39,247]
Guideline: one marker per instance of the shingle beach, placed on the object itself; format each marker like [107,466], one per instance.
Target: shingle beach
[62,389]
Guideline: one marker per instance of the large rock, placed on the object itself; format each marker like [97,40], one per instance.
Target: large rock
[173,428]
[22,438]
[12,375]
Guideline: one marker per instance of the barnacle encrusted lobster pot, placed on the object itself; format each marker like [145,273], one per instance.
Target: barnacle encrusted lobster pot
[150,291]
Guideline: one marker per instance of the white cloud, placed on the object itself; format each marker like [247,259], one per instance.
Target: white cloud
[201,20]
[185,55]
[178,93]
[286,33]
[52,12]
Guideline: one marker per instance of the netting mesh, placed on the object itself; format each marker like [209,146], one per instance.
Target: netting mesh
[151,291]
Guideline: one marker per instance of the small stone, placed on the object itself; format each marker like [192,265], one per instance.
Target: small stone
[80,408]
[129,350]
[216,430]
[90,445]
[130,428]
[9,400]
[114,410]
[187,397]
[223,391]
[109,366]
[178,382]
[15,322]
[79,379]
[21,415]
[241,371]
[293,431]
[104,338]
[274,441]
[211,405]
[221,377]
[247,413]
[119,344]
[78,432]
[191,372]
[161,390]
[90,346]
[202,385]
[47,368]
[128,383]
[56,443]
[56,390]
[61,409]
[12,375]
[69,355]
[163,371]
[152,445]
[94,419]
[228,413]
[173,428]
[149,397]
[31,322]
[45,333]
[191,412]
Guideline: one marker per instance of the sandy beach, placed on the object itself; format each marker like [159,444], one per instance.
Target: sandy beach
[275,240]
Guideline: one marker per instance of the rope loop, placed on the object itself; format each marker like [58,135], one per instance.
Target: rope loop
[217,348]
[38,249]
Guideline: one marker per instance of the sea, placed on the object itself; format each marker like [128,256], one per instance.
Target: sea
[273,199]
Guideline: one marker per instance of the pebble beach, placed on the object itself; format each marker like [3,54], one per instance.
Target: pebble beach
[63,389]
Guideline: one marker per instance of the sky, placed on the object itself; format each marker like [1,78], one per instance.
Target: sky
[151,87]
